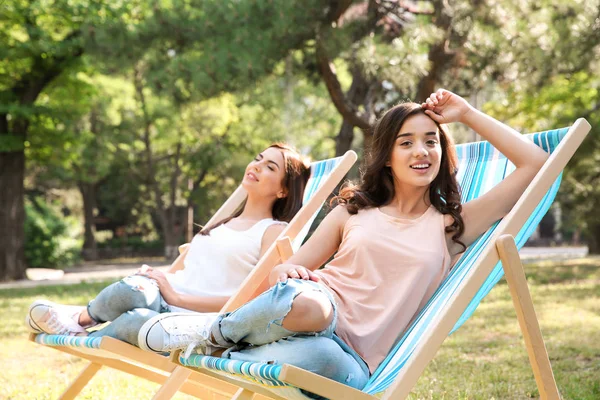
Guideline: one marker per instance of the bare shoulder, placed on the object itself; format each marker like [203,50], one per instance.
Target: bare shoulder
[276,228]
[448,220]
[339,214]
[272,232]
[340,210]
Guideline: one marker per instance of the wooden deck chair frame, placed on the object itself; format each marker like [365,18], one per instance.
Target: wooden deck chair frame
[501,248]
[124,357]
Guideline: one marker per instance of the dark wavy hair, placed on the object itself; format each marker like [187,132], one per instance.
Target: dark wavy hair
[377,184]
[296,174]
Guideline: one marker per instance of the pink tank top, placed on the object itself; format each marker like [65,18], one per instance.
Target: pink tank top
[384,272]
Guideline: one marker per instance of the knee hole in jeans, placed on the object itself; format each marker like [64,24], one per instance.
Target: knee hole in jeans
[311,311]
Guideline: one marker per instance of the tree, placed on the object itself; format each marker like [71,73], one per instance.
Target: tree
[78,142]
[40,42]
[45,40]
[559,102]
[546,79]
[396,51]
[35,62]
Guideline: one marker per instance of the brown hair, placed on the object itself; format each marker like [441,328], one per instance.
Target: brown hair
[377,184]
[297,172]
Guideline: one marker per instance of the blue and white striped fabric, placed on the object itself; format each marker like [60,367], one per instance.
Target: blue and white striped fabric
[266,375]
[320,171]
[70,341]
[480,168]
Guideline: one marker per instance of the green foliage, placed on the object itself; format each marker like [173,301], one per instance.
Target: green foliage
[49,241]
[558,103]
[77,141]
[119,194]
[203,47]
[11,143]
[223,79]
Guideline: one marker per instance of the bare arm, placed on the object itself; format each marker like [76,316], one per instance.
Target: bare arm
[479,214]
[198,303]
[324,242]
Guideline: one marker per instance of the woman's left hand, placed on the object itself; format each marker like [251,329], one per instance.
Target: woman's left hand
[166,290]
[444,107]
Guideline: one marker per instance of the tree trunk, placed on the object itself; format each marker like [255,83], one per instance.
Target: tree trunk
[357,94]
[12,215]
[189,228]
[12,208]
[593,240]
[342,102]
[165,215]
[171,242]
[343,140]
[88,192]
[12,160]
[439,59]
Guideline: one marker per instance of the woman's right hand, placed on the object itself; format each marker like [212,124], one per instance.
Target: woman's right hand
[283,272]
[444,107]
[143,269]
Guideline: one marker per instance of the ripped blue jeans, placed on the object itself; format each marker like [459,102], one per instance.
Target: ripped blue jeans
[128,304]
[254,332]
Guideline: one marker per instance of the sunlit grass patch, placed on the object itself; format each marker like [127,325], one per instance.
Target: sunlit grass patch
[485,359]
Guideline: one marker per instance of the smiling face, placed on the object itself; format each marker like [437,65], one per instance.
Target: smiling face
[416,154]
[265,174]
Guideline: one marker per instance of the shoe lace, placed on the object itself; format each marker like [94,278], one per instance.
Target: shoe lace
[63,325]
[56,325]
[179,340]
[200,343]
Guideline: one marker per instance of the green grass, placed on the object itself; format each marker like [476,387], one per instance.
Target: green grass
[485,359]
[30,371]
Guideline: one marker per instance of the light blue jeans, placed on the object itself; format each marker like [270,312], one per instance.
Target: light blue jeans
[254,332]
[128,304]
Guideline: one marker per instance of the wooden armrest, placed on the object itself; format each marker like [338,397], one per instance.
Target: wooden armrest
[285,249]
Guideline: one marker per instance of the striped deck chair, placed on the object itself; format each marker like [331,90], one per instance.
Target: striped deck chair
[106,351]
[476,272]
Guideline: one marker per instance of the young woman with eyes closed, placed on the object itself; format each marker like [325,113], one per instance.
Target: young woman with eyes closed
[204,277]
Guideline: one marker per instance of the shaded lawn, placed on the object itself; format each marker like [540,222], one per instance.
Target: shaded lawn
[485,359]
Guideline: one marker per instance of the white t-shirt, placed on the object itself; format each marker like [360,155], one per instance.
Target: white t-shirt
[218,263]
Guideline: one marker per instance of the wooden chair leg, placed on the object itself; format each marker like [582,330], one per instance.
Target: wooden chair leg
[173,384]
[536,349]
[82,379]
[243,394]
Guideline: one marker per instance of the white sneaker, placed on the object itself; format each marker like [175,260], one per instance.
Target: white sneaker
[55,319]
[31,326]
[173,331]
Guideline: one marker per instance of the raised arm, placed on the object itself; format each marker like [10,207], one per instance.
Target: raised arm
[479,214]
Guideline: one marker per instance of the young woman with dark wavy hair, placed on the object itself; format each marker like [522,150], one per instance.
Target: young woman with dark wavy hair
[393,238]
